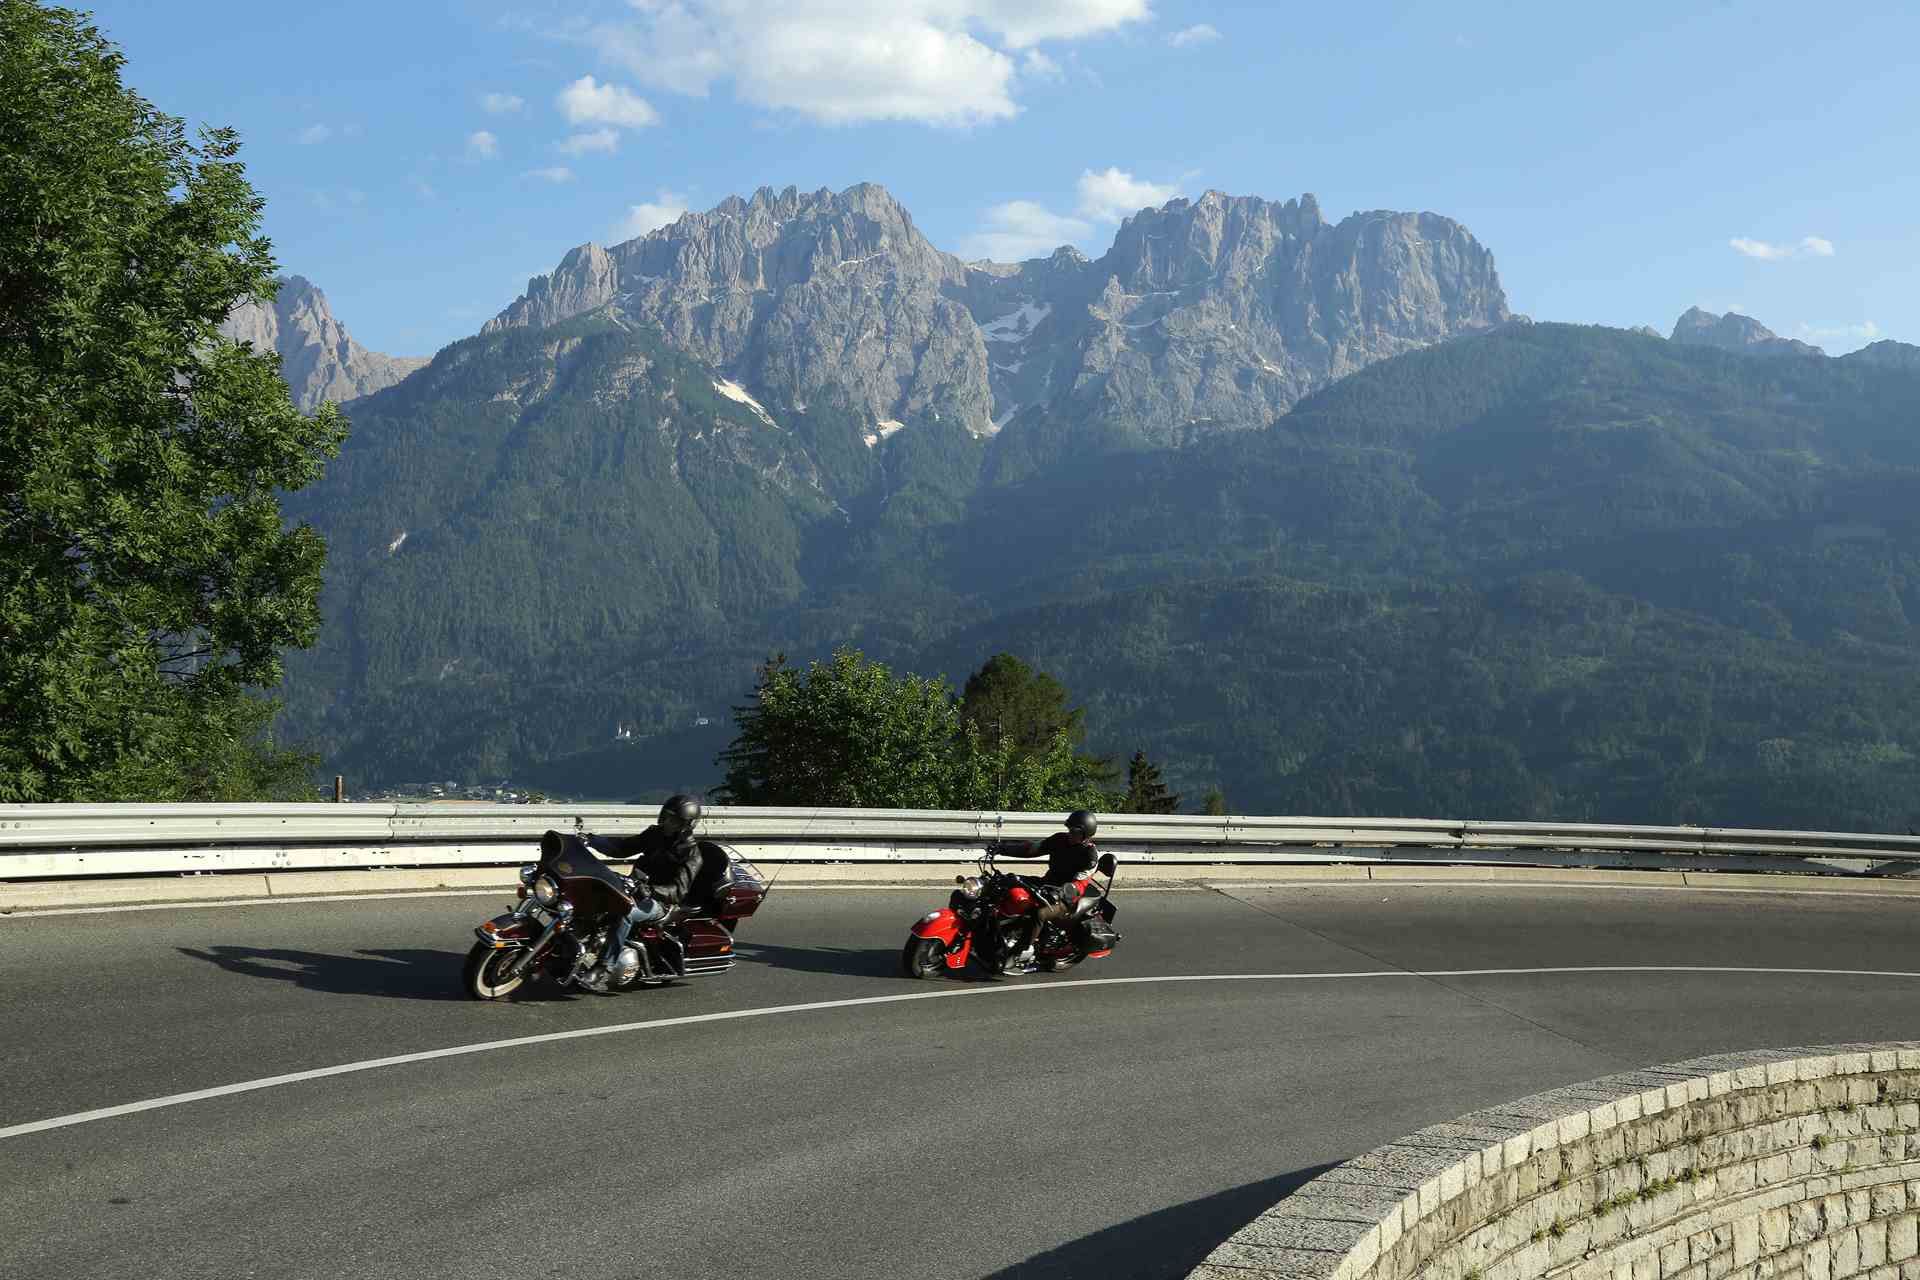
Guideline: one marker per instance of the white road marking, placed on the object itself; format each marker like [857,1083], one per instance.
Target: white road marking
[735,1015]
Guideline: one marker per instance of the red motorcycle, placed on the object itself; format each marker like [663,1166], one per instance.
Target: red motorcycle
[570,902]
[986,916]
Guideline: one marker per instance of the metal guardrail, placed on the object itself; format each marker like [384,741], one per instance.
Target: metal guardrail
[65,841]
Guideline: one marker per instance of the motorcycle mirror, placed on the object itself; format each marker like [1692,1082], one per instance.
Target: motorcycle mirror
[1108,864]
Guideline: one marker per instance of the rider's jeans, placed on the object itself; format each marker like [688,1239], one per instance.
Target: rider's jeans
[645,911]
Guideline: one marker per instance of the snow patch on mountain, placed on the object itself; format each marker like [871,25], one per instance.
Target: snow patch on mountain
[735,392]
[885,428]
[1016,325]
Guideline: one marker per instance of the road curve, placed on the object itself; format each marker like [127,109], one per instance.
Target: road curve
[1103,1129]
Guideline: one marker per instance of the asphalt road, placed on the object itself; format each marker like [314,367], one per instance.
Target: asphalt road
[1037,1130]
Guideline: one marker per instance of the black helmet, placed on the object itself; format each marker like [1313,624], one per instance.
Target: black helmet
[679,814]
[1082,824]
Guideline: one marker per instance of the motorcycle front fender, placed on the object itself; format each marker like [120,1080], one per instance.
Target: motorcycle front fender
[942,924]
[509,930]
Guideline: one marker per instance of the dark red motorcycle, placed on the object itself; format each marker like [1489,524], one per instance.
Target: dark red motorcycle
[986,917]
[570,902]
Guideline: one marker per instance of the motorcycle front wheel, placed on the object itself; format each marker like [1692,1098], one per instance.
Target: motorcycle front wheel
[482,973]
[923,957]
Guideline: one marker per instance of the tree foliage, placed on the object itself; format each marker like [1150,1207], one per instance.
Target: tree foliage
[147,584]
[849,733]
[1007,698]
[1146,793]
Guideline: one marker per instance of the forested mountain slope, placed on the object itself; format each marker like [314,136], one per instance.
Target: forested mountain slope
[1550,570]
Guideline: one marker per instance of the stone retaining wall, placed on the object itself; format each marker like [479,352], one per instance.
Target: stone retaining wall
[1781,1164]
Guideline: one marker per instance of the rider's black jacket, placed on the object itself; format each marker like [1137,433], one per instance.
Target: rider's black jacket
[667,862]
[1067,856]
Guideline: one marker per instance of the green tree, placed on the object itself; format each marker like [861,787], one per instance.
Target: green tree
[845,733]
[849,733]
[1007,698]
[147,582]
[1214,804]
[1146,793]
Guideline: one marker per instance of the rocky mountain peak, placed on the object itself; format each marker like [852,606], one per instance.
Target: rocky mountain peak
[1205,314]
[319,360]
[1734,332]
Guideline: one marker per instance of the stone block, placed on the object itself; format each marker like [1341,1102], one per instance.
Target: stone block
[1846,1254]
[1903,1237]
[1803,1222]
[1909,1059]
[1774,1230]
[1884,1060]
[1279,1262]
[1673,1259]
[1818,1260]
[1873,1244]
[1888,1199]
[1746,1241]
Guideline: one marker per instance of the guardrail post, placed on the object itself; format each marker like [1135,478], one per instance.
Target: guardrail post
[339,789]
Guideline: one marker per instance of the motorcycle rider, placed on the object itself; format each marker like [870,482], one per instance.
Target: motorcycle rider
[1070,854]
[666,861]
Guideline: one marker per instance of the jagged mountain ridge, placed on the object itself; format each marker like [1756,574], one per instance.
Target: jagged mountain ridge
[1742,335]
[1206,314]
[319,359]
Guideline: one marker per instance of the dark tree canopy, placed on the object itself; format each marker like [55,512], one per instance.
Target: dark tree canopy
[147,583]
[1146,793]
[849,733]
[1006,697]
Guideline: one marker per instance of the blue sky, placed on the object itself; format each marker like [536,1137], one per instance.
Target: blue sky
[421,158]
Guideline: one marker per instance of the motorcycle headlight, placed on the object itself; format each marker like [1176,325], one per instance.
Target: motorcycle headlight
[527,874]
[969,885]
[546,891]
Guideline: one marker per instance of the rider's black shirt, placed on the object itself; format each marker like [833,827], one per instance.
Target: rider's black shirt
[669,863]
[1068,857]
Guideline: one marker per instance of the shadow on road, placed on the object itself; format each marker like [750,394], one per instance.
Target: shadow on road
[405,974]
[1164,1245]
[858,962]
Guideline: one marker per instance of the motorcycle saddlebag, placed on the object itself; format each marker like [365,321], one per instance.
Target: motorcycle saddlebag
[1098,935]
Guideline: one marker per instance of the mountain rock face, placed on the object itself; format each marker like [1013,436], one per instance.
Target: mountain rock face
[1224,311]
[1206,314]
[1897,355]
[319,359]
[797,297]
[1742,335]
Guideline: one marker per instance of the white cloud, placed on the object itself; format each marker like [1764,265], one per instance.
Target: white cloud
[314,133]
[1199,33]
[1759,249]
[666,207]
[586,102]
[482,145]
[553,173]
[1764,251]
[943,62]
[501,104]
[1038,66]
[1113,194]
[581,144]
[1021,229]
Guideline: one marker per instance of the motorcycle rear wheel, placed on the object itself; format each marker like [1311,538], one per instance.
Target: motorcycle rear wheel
[923,957]
[481,974]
